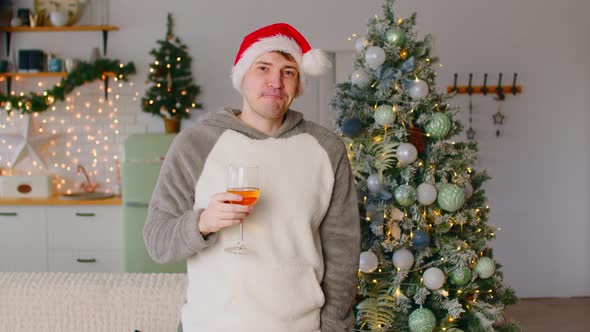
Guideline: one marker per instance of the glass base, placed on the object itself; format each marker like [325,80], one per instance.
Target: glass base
[238,250]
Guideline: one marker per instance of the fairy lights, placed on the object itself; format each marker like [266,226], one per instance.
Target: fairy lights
[84,128]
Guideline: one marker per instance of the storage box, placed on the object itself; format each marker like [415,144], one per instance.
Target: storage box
[19,186]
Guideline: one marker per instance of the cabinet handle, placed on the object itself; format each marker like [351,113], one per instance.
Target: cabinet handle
[8,214]
[90,260]
[79,214]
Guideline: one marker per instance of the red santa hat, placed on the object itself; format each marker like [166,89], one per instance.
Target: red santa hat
[279,37]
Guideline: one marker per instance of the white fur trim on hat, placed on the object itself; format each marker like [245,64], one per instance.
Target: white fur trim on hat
[264,45]
[316,62]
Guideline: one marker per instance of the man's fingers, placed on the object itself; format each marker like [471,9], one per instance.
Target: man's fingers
[231,222]
[234,208]
[226,197]
[232,215]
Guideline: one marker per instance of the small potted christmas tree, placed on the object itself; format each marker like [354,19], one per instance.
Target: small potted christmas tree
[172,92]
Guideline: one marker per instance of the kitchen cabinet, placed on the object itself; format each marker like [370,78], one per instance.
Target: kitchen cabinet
[23,239]
[61,238]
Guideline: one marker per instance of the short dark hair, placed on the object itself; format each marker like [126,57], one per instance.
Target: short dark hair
[286,55]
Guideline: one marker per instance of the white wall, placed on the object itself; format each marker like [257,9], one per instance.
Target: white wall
[540,190]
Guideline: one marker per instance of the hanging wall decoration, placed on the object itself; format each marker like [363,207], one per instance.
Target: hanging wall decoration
[84,73]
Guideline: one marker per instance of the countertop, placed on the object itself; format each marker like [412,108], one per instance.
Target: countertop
[55,200]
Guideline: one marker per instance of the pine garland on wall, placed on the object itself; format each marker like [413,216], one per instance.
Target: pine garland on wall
[84,73]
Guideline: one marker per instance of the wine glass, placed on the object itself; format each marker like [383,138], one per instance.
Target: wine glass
[242,180]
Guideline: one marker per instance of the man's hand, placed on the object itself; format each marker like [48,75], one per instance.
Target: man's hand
[220,214]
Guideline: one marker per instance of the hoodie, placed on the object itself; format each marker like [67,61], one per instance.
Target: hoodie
[303,233]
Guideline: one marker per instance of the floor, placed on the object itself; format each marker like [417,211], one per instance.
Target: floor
[552,315]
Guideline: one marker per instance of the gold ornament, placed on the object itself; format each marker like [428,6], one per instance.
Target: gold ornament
[403,54]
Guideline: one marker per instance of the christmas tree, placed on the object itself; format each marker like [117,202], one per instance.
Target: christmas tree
[425,263]
[172,92]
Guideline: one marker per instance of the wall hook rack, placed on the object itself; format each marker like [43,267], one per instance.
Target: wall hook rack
[499,91]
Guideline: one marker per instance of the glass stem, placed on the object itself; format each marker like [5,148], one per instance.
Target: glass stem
[242,233]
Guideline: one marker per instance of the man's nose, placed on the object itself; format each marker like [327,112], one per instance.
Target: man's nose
[275,80]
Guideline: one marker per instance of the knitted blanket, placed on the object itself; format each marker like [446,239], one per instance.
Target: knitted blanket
[64,302]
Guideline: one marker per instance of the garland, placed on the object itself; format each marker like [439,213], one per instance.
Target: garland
[84,73]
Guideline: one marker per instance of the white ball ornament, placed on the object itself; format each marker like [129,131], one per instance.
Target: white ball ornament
[468,190]
[360,43]
[406,153]
[418,89]
[433,278]
[368,262]
[374,57]
[485,267]
[403,259]
[360,78]
[374,183]
[426,194]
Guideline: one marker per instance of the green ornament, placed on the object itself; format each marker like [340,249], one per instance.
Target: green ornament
[450,197]
[461,276]
[405,195]
[422,320]
[384,115]
[438,126]
[395,36]
[485,267]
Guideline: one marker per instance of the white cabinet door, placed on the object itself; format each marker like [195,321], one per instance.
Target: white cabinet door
[23,244]
[69,260]
[85,238]
[85,227]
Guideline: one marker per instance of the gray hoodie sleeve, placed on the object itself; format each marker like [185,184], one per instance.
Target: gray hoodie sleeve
[340,234]
[171,232]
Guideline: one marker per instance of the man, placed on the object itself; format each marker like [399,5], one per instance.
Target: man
[303,233]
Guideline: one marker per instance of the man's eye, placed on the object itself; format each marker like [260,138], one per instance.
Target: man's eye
[289,73]
[263,68]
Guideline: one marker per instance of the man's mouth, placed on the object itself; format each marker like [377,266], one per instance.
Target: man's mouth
[273,94]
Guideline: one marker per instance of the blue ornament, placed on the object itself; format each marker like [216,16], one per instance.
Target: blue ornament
[374,214]
[352,127]
[421,239]
[385,195]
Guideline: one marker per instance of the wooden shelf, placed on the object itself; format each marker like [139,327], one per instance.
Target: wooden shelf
[40,74]
[104,28]
[66,28]
[55,200]
[43,74]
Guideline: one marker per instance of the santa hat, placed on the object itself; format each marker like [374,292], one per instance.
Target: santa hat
[279,37]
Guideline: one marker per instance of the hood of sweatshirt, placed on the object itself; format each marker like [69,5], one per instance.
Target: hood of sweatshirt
[227,118]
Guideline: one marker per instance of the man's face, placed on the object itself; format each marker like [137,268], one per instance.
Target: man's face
[270,85]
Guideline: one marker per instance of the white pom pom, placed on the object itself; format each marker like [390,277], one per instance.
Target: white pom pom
[316,62]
